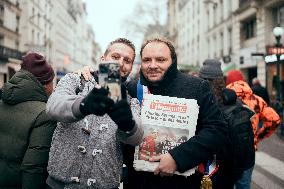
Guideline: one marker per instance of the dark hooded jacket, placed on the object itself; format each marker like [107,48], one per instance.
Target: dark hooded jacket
[262,92]
[25,133]
[211,130]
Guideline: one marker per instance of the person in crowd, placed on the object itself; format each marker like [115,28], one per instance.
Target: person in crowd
[87,144]
[26,130]
[88,73]
[263,113]
[160,75]
[227,99]
[259,90]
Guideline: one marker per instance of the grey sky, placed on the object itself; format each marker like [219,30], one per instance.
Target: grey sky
[106,18]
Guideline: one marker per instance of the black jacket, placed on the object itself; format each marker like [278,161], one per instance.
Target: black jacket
[262,92]
[211,128]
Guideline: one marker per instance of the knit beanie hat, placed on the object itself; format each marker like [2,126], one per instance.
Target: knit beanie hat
[234,75]
[211,69]
[36,64]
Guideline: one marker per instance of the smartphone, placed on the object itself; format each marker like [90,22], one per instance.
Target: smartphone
[109,78]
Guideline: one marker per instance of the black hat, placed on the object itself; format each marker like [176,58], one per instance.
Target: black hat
[211,69]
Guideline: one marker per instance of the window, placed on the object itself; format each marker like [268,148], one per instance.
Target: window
[18,23]
[208,20]
[249,29]
[17,45]
[38,18]
[214,43]
[1,14]
[208,45]
[221,10]
[18,20]
[1,10]
[197,6]
[229,8]
[1,40]
[230,42]
[193,8]
[33,36]
[221,44]
[214,14]
[278,16]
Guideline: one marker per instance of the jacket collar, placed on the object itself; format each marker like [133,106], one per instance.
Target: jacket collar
[169,75]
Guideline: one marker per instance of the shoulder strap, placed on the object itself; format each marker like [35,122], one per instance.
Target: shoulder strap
[229,110]
[139,91]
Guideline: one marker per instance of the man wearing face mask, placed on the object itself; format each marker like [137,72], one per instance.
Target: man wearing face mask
[25,129]
[87,145]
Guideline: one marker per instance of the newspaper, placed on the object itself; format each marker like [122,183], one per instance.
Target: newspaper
[167,122]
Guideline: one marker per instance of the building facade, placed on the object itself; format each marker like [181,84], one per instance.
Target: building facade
[253,23]
[73,37]
[10,14]
[57,29]
[235,32]
[36,26]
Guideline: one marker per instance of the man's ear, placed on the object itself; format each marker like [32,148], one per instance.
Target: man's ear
[48,88]
[44,86]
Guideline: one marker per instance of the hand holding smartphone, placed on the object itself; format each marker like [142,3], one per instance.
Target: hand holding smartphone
[109,78]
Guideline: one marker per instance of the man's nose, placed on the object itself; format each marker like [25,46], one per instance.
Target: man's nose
[120,61]
[153,64]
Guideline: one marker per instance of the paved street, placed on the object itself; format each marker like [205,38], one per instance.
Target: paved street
[269,169]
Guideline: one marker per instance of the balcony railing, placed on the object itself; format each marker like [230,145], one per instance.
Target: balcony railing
[6,53]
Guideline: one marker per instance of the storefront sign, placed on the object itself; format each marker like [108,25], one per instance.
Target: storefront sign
[274,50]
[272,58]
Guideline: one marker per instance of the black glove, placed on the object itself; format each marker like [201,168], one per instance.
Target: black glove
[96,102]
[121,114]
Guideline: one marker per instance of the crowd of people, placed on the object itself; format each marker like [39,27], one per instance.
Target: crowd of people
[76,136]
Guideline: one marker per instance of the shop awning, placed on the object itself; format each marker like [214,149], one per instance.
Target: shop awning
[228,68]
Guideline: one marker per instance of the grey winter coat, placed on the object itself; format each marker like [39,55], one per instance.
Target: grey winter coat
[81,159]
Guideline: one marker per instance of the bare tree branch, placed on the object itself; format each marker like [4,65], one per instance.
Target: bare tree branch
[145,13]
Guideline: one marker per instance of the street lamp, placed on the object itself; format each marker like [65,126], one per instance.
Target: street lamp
[278,32]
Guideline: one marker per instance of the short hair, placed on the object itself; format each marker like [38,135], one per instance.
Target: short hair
[160,40]
[123,41]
